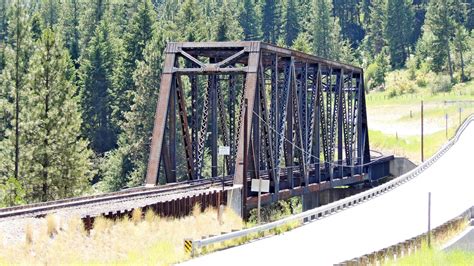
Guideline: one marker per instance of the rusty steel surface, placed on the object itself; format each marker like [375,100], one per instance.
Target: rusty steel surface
[307,119]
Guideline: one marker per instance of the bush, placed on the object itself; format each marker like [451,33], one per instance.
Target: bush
[441,84]
[421,82]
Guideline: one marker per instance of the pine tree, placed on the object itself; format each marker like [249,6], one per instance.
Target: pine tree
[69,28]
[126,165]
[249,20]
[227,24]
[270,21]
[398,30]
[190,22]
[12,100]
[441,24]
[96,78]
[347,11]
[291,22]
[461,46]
[375,34]
[136,38]
[49,10]
[88,21]
[55,161]
[325,30]
[302,43]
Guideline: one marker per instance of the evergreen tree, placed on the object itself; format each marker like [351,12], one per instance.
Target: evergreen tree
[126,165]
[270,21]
[249,20]
[419,11]
[88,21]
[325,30]
[227,24]
[138,34]
[55,161]
[36,26]
[190,22]
[49,10]
[12,100]
[461,46]
[347,11]
[441,24]
[69,28]
[398,30]
[96,78]
[302,43]
[291,22]
[375,35]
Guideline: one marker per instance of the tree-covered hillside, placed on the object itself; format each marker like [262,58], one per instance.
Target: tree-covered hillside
[79,79]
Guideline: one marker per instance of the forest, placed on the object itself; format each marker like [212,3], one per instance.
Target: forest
[79,79]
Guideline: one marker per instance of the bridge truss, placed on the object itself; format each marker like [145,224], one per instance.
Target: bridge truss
[306,116]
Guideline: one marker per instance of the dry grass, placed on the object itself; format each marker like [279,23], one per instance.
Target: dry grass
[149,241]
[51,225]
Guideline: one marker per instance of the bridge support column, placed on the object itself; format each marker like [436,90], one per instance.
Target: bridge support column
[310,200]
[234,199]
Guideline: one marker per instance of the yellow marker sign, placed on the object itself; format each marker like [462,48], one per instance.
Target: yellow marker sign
[188,246]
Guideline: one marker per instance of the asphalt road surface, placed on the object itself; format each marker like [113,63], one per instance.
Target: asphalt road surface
[381,222]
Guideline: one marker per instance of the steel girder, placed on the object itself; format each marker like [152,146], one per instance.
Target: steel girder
[306,115]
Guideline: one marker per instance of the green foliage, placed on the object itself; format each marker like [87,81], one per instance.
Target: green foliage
[270,21]
[375,73]
[398,31]
[291,22]
[441,84]
[54,160]
[302,43]
[441,25]
[325,30]
[249,19]
[374,39]
[97,88]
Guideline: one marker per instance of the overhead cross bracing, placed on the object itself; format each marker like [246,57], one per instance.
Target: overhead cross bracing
[306,116]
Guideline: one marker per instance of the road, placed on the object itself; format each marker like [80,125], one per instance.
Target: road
[378,223]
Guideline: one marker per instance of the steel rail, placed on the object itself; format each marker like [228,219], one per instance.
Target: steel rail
[337,206]
[102,198]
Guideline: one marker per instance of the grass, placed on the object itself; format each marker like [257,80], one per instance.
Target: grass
[396,120]
[432,256]
[151,240]
[409,146]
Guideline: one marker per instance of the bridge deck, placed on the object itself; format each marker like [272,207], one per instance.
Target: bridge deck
[378,223]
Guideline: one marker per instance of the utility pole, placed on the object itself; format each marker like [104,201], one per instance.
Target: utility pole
[422,151]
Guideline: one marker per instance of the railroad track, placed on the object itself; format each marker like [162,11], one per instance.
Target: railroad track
[40,209]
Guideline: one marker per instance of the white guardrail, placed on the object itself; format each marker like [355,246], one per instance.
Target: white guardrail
[326,210]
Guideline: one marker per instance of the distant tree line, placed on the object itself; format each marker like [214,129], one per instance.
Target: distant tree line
[79,79]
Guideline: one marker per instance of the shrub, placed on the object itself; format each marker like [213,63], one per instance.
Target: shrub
[441,84]
[421,82]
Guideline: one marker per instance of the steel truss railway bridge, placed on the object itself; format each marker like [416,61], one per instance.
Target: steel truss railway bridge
[298,120]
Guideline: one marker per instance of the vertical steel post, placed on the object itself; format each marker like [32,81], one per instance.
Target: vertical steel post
[213,91]
[429,219]
[245,162]
[172,131]
[422,150]
[446,118]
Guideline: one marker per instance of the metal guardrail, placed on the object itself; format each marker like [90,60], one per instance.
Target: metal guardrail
[326,210]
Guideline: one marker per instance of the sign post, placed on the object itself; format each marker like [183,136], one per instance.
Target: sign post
[260,185]
[223,151]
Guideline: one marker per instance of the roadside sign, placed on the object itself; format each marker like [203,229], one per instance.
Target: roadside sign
[224,150]
[264,185]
